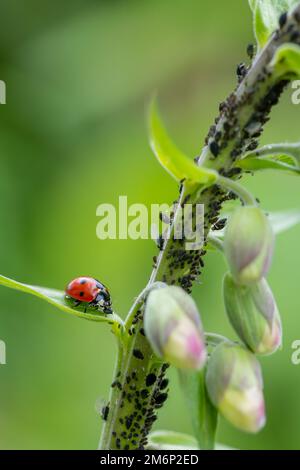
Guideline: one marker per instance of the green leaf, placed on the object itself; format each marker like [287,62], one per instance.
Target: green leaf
[171,158]
[58,299]
[286,61]
[284,157]
[283,221]
[171,440]
[204,414]
[266,14]
[280,222]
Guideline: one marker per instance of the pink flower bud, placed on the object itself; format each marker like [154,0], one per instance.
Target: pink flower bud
[248,244]
[253,313]
[234,384]
[173,327]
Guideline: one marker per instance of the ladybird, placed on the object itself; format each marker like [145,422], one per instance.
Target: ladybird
[91,291]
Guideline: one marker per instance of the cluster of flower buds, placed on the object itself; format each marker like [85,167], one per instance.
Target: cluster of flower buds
[173,327]
[233,375]
[234,384]
[249,302]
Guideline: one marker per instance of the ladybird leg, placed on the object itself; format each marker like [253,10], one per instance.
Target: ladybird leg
[107,310]
[77,303]
[102,303]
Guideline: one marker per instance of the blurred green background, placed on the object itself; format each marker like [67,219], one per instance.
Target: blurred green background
[72,135]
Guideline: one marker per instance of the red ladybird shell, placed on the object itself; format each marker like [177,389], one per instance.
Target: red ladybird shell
[84,289]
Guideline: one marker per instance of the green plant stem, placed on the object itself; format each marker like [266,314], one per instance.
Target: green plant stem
[213,339]
[133,403]
[215,242]
[239,190]
[292,149]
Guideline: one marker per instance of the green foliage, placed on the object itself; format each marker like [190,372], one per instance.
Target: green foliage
[204,414]
[285,157]
[58,299]
[129,142]
[266,14]
[170,440]
[285,220]
[171,158]
[280,222]
[286,61]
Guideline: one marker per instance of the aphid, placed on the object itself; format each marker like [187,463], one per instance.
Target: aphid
[282,19]
[160,242]
[117,384]
[144,393]
[164,383]
[138,354]
[295,36]
[241,70]
[161,398]
[219,225]
[214,148]
[250,51]
[104,412]
[128,422]
[91,291]
[297,16]
[150,379]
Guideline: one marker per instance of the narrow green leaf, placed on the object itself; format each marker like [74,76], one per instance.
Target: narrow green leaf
[285,220]
[272,162]
[171,158]
[171,440]
[204,415]
[280,222]
[286,61]
[58,299]
[266,14]
[284,157]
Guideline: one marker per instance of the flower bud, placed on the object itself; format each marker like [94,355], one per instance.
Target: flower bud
[234,384]
[248,244]
[253,313]
[173,327]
